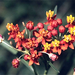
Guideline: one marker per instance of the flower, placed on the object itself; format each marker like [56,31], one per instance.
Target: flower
[72,32]
[31,43]
[9,26]
[68,41]
[49,14]
[46,47]
[41,35]
[55,43]
[33,58]
[70,19]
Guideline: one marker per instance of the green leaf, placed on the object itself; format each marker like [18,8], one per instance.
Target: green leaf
[8,47]
[55,10]
[53,67]
[26,64]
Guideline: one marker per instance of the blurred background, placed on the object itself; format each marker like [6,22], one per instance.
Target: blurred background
[18,11]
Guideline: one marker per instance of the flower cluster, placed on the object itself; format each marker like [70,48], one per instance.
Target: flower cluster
[45,41]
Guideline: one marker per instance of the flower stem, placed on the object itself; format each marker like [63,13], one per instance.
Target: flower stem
[35,71]
[29,34]
[21,56]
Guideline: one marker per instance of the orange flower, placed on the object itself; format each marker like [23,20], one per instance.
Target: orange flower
[72,32]
[9,26]
[49,14]
[68,41]
[56,46]
[47,47]
[33,58]
[70,19]
[41,35]
[30,43]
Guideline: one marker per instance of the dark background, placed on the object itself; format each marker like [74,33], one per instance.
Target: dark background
[17,11]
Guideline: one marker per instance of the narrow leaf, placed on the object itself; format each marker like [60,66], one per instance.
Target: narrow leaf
[27,65]
[8,47]
[55,10]
[53,67]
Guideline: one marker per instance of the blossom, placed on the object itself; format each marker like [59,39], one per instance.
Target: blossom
[68,41]
[46,47]
[72,32]
[56,46]
[49,14]
[41,35]
[30,43]
[70,19]
[50,17]
[33,58]
[9,26]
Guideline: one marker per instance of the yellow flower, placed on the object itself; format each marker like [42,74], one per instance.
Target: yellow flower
[9,26]
[50,13]
[47,46]
[70,19]
[67,38]
[72,30]
[56,43]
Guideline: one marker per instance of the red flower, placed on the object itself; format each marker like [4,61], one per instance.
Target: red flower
[41,35]
[31,43]
[33,58]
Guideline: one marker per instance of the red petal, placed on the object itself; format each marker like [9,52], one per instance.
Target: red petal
[35,33]
[46,23]
[30,62]
[16,39]
[67,26]
[43,41]
[35,27]
[54,49]
[71,46]
[39,39]
[36,62]
[64,47]
[18,44]
[23,31]
[59,51]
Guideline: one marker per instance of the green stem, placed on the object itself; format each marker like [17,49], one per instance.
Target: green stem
[29,34]
[36,73]
[46,65]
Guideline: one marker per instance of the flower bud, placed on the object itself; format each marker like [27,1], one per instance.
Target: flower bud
[54,23]
[54,32]
[29,25]
[59,21]
[15,63]
[49,28]
[61,29]
[26,57]
[53,57]
[40,25]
